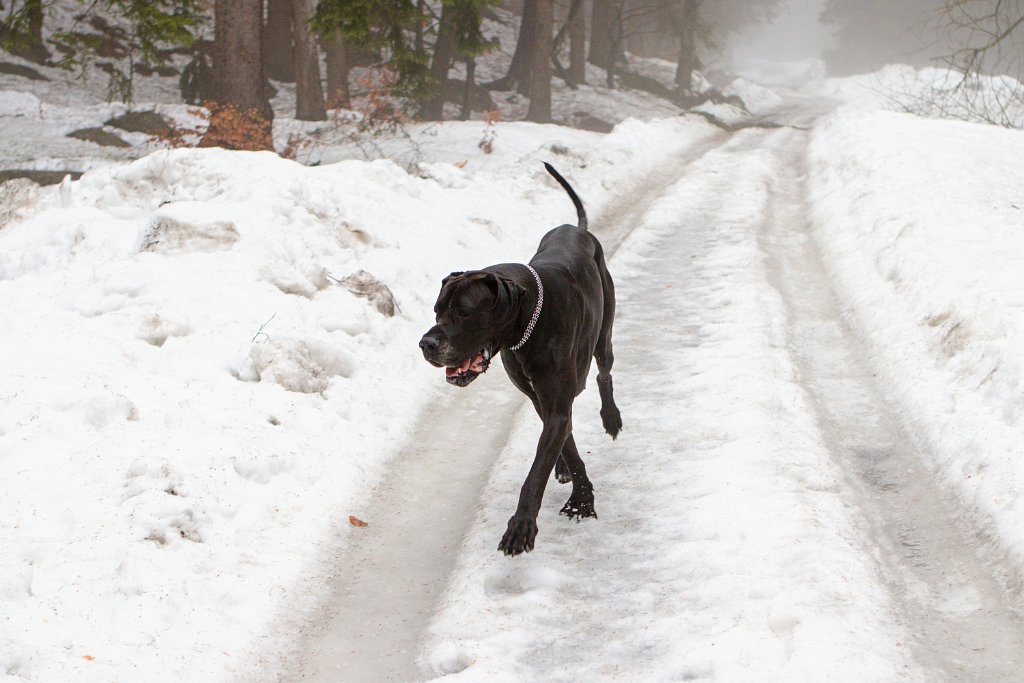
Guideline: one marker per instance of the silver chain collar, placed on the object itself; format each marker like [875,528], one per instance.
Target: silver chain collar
[536,312]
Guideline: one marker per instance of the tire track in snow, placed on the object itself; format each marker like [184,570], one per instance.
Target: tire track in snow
[388,581]
[725,548]
[966,626]
[863,575]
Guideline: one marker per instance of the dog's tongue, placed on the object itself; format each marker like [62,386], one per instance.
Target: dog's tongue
[451,372]
[475,364]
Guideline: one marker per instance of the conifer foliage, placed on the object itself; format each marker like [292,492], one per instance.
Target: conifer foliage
[417,58]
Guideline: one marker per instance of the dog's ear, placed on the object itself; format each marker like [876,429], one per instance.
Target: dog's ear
[490,281]
[446,293]
[450,276]
[510,293]
[475,290]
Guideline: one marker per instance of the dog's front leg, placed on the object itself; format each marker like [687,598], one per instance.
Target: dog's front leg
[522,527]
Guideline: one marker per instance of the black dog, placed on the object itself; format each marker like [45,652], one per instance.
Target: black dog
[547,319]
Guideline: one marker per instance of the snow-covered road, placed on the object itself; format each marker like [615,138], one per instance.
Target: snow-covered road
[962,622]
[818,362]
[822,550]
[443,470]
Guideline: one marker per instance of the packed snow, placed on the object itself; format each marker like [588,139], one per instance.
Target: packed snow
[192,400]
[922,228]
[723,548]
[210,360]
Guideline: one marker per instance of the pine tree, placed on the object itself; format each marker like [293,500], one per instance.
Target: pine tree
[242,117]
[460,32]
[21,32]
[337,69]
[278,50]
[309,95]
[540,81]
[471,43]
[577,22]
[382,25]
[154,25]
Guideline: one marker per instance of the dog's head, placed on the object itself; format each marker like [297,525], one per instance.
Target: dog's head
[472,311]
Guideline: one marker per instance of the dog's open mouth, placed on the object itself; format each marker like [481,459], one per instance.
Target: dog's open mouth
[470,369]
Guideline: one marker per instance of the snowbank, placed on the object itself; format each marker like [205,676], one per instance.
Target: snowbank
[920,222]
[190,403]
[934,92]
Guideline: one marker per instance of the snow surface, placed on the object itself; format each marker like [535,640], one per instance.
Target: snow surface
[922,228]
[191,405]
[724,547]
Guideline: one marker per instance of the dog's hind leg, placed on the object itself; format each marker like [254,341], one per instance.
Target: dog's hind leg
[562,472]
[604,355]
[581,502]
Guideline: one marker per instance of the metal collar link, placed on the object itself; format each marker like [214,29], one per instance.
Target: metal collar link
[536,312]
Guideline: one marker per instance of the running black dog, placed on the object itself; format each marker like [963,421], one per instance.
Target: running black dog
[548,319]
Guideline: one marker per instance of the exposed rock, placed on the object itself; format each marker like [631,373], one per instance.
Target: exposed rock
[148,122]
[40,177]
[98,136]
[146,69]
[454,90]
[585,121]
[21,70]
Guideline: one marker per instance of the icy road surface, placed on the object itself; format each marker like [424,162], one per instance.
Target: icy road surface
[762,516]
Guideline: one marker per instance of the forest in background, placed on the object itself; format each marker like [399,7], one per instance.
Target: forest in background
[423,54]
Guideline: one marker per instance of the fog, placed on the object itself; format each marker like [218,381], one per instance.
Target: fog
[859,36]
[796,33]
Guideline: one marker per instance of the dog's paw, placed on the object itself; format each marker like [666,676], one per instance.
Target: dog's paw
[519,537]
[579,505]
[562,472]
[612,421]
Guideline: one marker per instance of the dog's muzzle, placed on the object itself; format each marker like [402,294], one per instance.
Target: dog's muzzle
[467,371]
[430,347]
[457,372]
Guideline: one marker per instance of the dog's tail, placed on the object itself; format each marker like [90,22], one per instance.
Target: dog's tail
[581,215]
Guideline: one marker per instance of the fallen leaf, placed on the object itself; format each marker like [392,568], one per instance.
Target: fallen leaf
[461,164]
[355,521]
[88,657]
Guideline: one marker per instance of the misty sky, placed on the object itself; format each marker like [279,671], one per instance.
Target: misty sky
[795,34]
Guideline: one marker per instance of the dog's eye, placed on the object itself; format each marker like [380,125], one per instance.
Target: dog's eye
[459,311]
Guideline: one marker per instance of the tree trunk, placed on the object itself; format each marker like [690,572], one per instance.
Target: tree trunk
[421,8]
[577,46]
[444,51]
[338,95]
[602,22]
[278,55]
[528,39]
[35,29]
[28,43]
[467,95]
[518,75]
[241,117]
[575,7]
[540,83]
[309,96]
[687,28]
